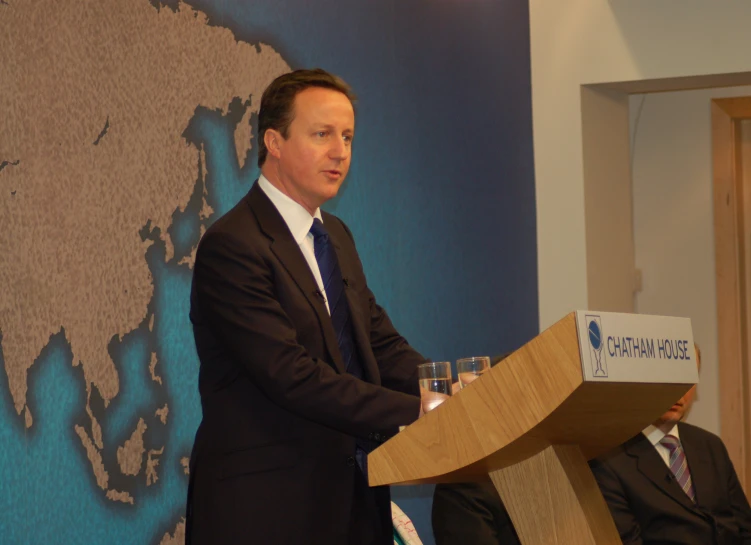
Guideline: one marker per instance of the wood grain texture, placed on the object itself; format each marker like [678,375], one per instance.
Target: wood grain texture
[530,423]
[561,505]
[534,398]
[732,339]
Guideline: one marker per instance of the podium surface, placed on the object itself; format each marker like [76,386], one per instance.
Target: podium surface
[583,386]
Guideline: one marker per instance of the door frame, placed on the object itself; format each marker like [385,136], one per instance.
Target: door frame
[732,222]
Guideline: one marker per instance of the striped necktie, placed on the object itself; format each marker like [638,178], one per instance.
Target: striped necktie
[679,465]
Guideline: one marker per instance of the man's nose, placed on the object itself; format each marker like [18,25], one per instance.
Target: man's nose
[339,149]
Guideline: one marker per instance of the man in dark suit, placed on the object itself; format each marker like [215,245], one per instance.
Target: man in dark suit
[674,484]
[302,373]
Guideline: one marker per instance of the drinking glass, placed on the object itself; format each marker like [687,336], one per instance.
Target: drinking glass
[435,383]
[470,369]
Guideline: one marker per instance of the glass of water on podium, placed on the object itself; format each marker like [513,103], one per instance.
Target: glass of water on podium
[470,369]
[435,383]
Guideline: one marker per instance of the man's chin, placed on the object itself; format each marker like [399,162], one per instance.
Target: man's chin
[670,418]
[331,193]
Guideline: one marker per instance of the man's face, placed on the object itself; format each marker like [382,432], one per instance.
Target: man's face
[679,409]
[314,159]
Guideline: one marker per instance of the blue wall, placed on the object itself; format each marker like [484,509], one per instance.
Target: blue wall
[440,199]
[440,196]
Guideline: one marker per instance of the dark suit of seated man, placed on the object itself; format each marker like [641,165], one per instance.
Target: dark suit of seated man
[471,513]
[674,484]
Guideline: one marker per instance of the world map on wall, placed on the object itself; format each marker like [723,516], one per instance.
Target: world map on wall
[125,130]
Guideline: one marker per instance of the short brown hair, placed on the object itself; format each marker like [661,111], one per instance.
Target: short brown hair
[278,100]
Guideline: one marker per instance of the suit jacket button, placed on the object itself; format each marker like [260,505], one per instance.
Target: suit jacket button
[377,436]
[371,436]
[351,461]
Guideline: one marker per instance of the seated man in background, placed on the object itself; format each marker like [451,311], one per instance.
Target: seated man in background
[674,484]
[471,513]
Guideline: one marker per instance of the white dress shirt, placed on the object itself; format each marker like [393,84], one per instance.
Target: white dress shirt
[655,435]
[299,221]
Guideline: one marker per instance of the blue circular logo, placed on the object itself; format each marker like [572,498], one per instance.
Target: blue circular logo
[595,337]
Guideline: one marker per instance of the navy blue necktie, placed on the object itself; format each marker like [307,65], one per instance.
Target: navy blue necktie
[333,284]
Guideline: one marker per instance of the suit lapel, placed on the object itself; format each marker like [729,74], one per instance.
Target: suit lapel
[288,252]
[650,464]
[699,465]
[356,312]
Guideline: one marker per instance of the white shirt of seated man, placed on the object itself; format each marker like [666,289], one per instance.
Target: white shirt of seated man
[667,424]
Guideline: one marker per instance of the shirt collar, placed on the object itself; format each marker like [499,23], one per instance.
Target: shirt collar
[298,219]
[655,434]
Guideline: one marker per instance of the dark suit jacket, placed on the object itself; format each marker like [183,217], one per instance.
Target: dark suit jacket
[650,508]
[471,513]
[273,457]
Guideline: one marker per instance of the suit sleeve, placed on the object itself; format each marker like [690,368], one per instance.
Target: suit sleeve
[617,500]
[738,500]
[397,360]
[235,292]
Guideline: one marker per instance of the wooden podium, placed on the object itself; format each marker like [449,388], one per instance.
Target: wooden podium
[531,423]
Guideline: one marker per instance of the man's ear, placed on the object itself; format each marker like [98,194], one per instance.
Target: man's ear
[273,140]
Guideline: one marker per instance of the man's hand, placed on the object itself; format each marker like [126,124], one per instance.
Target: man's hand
[430,400]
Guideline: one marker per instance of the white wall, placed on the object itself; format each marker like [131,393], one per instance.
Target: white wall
[596,41]
[579,42]
[673,221]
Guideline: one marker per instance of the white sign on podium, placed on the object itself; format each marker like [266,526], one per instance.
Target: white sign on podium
[618,347]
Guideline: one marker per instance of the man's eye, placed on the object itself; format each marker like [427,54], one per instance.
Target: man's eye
[348,139]
[321,134]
